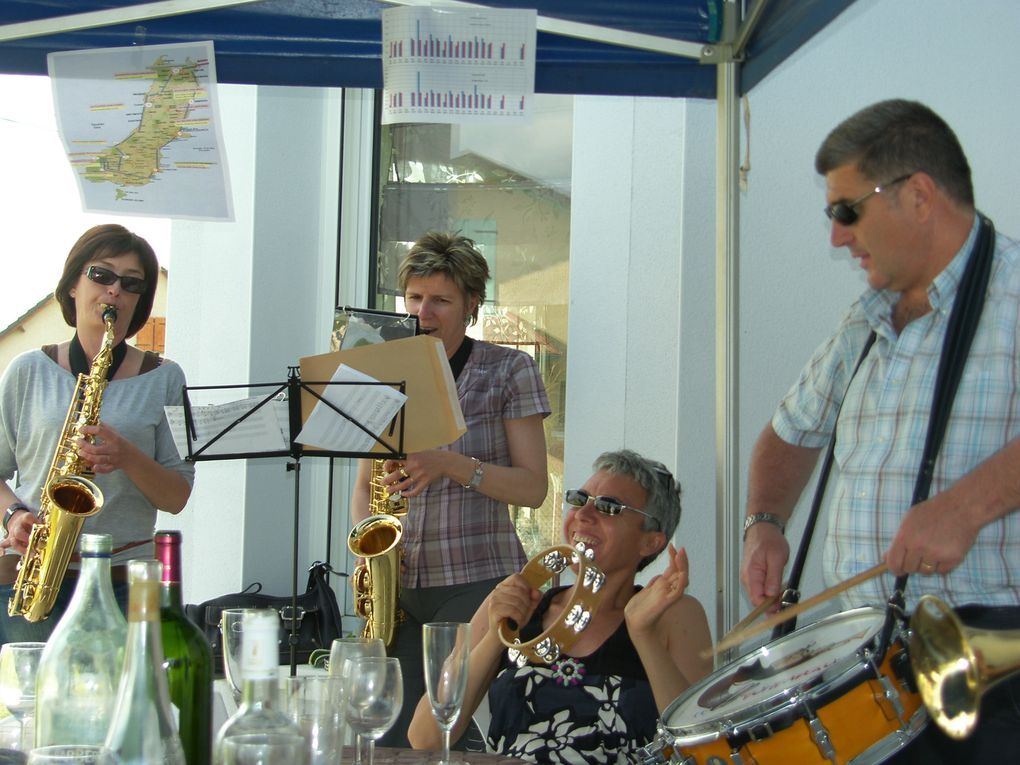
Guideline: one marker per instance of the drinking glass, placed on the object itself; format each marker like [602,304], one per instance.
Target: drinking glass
[446,647]
[341,650]
[312,703]
[231,620]
[263,749]
[18,665]
[375,693]
[73,754]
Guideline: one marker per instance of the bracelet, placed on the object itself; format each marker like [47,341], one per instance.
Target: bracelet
[772,518]
[476,477]
[11,511]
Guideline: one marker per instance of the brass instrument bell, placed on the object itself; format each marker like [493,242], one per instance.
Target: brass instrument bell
[954,665]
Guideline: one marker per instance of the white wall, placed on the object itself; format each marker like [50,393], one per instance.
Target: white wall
[640,346]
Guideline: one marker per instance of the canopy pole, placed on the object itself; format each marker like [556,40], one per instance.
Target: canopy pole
[727,315]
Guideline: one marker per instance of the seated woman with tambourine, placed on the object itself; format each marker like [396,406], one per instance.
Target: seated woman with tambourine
[593,693]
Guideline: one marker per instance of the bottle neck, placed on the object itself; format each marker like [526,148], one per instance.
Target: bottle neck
[168,552]
[94,581]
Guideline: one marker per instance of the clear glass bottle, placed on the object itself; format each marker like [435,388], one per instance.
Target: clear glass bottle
[187,657]
[260,712]
[143,730]
[79,671]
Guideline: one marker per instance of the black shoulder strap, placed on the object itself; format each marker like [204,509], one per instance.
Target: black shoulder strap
[960,329]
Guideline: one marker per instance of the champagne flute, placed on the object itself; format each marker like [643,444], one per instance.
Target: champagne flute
[446,647]
[231,623]
[342,650]
[18,665]
[375,693]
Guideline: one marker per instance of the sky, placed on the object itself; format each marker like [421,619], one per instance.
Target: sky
[41,214]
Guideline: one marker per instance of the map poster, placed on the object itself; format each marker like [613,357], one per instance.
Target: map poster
[141,129]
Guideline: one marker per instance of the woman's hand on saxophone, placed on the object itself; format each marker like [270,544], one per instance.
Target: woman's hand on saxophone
[416,472]
[106,451]
[18,530]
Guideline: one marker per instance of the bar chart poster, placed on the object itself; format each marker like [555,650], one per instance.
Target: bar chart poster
[458,65]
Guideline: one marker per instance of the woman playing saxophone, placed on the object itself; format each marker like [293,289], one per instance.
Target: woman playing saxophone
[458,538]
[130,449]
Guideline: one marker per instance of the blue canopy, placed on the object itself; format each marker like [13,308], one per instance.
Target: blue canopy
[606,47]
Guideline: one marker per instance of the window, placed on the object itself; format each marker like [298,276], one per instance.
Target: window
[508,189]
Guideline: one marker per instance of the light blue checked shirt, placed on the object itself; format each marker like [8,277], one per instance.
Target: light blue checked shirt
[884,421]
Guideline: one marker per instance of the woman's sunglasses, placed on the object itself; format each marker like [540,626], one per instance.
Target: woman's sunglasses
[133,284]
[605,505]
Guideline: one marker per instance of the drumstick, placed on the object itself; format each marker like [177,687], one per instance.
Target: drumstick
[764,606]
[736,638]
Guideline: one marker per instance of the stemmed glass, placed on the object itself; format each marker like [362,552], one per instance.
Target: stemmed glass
[375,693]
[341,651]
[231,623]
[18,665]
[446,647]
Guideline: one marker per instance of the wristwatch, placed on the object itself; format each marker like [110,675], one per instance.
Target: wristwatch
[476,477]
[11,511]
[772,518]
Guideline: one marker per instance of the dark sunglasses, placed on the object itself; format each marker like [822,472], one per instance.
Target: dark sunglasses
[605,505]
[106,277]
[846,212]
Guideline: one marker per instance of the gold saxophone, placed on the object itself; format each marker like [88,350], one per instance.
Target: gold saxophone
[376,582]
[68,496]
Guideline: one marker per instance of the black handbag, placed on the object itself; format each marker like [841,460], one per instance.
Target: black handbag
[316,618]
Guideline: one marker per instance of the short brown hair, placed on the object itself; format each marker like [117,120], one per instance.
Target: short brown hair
[451,254]
[108,240]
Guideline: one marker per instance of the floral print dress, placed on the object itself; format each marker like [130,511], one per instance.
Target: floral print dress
[595,709]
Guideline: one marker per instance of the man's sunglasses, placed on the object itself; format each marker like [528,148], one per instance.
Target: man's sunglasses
[846,212]
[605,505]
[133,284]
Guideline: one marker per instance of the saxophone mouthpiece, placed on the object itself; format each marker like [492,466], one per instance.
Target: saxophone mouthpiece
[109,313]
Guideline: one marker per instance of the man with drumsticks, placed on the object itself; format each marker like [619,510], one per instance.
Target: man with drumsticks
[900,199]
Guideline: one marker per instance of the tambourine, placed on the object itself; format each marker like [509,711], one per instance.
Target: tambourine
[581,606]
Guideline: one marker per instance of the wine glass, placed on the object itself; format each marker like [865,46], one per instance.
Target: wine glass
[231,621]
[342,650]
[310,701]
[75,754]
[374,693]
[18,665]
[446,647]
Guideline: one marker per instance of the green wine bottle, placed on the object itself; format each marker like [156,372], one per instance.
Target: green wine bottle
[186,656]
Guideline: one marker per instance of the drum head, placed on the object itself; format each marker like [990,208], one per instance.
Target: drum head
[769,680]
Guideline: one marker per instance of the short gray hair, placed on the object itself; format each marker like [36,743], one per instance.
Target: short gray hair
[663,502]
[897,137]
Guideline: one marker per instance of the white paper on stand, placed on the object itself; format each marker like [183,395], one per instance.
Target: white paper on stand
[373,405]
[264,430]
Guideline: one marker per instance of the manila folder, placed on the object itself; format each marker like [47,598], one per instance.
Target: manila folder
[432,414]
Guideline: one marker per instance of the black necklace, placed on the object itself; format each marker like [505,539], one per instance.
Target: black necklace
[80,363]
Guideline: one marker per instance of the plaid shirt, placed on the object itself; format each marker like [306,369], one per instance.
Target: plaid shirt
[454,535]
[884,421]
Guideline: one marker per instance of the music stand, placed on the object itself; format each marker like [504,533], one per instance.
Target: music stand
[293,387]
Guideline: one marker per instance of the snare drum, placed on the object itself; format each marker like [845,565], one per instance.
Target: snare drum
[813,696]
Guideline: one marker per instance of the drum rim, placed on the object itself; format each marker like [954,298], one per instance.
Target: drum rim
[783,708]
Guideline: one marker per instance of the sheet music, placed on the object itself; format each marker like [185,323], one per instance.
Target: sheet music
[265,430]
[374,406]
